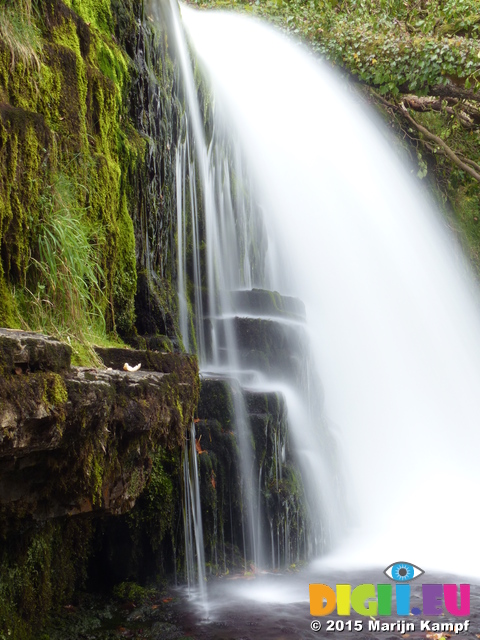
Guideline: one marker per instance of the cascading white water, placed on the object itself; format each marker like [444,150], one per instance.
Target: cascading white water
[237,257]
[392,306]
[192,524]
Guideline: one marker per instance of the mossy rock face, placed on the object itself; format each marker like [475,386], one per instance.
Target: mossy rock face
[82,440]
[40,569]
[80,443]
[221,498]
[154,303]
[67,112]
[161,343]
[216,401]
[25,156]
[28,351]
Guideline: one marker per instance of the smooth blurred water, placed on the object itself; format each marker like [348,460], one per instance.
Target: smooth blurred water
[224,253]
[391,303]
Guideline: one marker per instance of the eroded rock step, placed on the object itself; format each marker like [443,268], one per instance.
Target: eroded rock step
[278,478]
[260,303]
[266,410]
[163,362]
[76,439]
[267,303]
[274,348]
[25,350]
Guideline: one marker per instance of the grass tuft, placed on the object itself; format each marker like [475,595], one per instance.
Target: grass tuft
[63,294]
[19,32]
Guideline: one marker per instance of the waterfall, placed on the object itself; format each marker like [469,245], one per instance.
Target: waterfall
[192,524]
[250,338]
[392,306]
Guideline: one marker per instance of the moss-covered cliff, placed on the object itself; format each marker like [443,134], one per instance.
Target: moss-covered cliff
[86,119]
[77,447]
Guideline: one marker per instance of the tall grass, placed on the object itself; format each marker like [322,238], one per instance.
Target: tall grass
[19,32]
[63,294]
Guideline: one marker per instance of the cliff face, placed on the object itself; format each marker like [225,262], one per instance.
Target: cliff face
[88,119]
[78,442]
[91,457]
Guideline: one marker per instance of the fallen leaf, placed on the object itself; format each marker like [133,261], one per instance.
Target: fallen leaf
[196,420]
[167,599]
[199,446]
[214,484]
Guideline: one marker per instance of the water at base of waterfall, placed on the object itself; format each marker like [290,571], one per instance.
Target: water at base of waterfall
[276,606]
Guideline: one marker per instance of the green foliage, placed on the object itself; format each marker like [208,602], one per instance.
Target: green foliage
[133,592]
[386,43]
[156,509]
[63,292]
[19,32]
[66,234]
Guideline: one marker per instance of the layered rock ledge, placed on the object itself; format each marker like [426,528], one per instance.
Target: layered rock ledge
[77,440]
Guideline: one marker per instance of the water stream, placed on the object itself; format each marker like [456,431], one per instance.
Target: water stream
[294,187]
[392,306]
[232,263]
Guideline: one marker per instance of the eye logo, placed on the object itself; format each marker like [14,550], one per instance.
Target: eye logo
[403,571]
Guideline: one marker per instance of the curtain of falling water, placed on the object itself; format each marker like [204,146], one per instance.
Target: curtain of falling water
[393,307]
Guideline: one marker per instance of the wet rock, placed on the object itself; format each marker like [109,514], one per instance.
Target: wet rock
[216,400]
[279,349]
[267,303]
[153,343]
[82,441]
[28,351]
[150,360]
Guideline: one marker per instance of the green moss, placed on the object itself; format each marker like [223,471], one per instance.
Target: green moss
[7,305]
[132,592]
[38,573]
[157,508]
[64,116]
[96,13]
[56,393]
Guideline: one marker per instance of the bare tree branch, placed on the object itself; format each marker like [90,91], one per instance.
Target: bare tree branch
[471,168]
[433,104]
[454,91]
[445,148]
